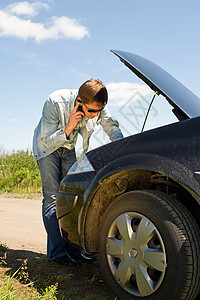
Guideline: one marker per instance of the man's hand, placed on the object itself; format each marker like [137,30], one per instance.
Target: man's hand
[75,117]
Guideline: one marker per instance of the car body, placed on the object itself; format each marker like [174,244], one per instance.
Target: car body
[136,201]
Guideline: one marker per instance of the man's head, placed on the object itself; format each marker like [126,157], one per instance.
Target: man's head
[94,97]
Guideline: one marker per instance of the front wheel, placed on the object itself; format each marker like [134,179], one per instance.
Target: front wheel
[149,248]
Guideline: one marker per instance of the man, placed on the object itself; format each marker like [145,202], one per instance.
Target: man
[65,114]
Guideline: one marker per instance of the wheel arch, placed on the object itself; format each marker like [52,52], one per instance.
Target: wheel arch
[141,174]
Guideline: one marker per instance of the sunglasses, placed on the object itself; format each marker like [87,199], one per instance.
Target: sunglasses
[92,111]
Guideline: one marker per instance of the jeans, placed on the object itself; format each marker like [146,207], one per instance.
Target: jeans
[53,169]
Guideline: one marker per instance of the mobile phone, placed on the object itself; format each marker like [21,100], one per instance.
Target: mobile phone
[79,108]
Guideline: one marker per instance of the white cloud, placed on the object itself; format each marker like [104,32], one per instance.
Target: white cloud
[119,93]
[13,120]
[64,27]
[56,28]
[25,8]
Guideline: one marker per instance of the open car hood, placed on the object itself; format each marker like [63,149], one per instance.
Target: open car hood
[181,98]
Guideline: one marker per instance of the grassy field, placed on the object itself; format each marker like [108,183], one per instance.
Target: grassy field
[19,173]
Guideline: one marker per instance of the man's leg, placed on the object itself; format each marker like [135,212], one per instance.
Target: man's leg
[50,170]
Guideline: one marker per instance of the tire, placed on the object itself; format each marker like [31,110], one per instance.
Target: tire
[149,248]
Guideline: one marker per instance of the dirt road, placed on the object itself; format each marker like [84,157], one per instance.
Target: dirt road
[21,226]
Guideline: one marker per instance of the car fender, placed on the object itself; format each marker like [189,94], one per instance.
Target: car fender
[93,207]
[179,172]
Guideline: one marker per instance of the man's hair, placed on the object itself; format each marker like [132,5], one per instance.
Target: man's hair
[93,90]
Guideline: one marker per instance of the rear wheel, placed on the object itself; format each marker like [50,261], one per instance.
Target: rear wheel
[149,247]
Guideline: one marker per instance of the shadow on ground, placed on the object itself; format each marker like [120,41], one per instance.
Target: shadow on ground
[73,282]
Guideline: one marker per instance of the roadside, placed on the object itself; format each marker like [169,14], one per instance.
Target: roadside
[25,272]
[21,223]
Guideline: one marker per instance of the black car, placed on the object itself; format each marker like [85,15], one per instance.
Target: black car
[136,201]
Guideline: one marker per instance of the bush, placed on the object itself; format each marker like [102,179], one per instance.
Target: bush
[19,172]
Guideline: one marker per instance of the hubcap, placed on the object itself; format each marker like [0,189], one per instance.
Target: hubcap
[136,254]
[133,253]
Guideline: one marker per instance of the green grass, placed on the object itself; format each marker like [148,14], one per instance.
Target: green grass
[35,278]
[16,284]
[19,173]
[3,247]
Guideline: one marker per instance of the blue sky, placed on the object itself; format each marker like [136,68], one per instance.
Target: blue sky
[54,44]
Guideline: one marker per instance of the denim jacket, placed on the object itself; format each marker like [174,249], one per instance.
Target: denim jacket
[49,134]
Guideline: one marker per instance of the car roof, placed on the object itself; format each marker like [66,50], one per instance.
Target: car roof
[180,97]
